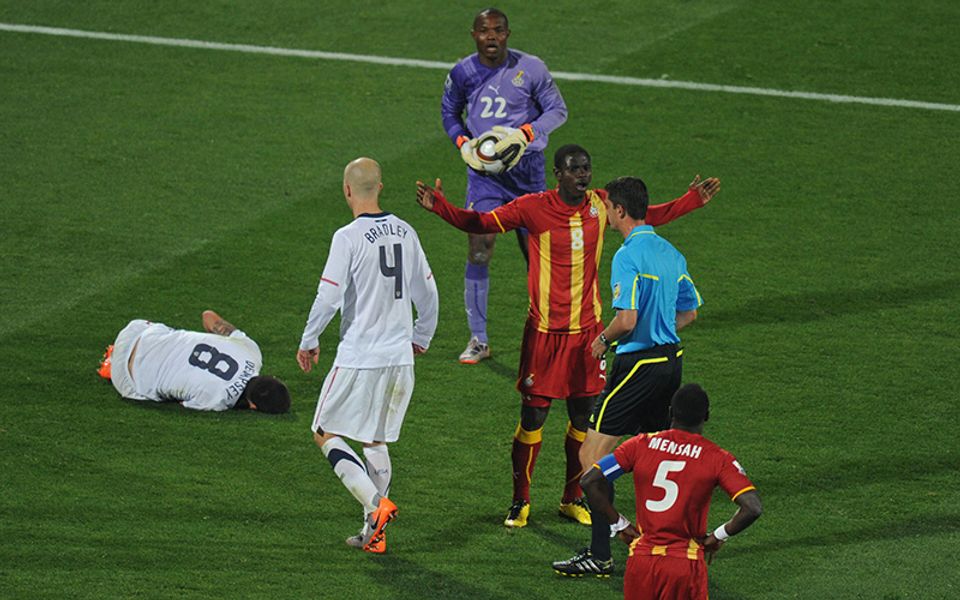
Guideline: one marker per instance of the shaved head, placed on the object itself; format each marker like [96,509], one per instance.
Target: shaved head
[363,177]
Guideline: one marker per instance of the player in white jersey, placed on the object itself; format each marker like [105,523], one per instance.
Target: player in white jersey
[213,370]
[375,269]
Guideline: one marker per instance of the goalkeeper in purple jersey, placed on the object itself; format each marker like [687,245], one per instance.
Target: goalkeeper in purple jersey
[511,90]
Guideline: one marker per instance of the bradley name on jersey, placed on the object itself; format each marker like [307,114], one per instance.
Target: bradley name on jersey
[380,230]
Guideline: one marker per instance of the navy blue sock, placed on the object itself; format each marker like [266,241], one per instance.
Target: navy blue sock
[600,532]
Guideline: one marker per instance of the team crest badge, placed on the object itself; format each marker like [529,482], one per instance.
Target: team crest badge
[616,290]
[594,211]
[528,381]
[518,80]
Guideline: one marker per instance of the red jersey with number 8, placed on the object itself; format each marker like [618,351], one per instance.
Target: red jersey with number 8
[674,474]
[565,244]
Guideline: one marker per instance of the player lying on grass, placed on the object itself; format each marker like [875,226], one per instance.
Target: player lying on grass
[565,241]
[218,369]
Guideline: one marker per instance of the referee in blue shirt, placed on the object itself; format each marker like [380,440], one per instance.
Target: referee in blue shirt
[655,298]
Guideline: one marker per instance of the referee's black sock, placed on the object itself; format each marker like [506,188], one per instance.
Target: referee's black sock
[600,532]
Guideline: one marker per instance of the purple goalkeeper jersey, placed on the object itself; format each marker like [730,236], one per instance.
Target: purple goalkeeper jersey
[518,91]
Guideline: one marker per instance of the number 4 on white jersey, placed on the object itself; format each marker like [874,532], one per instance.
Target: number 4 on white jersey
[670,488]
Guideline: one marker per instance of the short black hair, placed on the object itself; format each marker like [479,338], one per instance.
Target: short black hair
[631,194]
[269,394]
[491,12]
[560,156]
[690,406]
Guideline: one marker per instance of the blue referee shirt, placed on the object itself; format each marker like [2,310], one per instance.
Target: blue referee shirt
[650,276]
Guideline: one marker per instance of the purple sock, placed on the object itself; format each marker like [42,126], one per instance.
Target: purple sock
[476,285]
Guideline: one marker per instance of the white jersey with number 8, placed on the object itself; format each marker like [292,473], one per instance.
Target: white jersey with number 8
[203,371]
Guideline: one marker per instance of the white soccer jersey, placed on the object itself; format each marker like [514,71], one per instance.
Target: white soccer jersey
[203,371]
[375,269]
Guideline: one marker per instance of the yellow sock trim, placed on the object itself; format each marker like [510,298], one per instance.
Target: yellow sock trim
[528,437]
[575,433]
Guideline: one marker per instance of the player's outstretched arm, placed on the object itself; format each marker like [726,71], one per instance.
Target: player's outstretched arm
[426,195]
[214,323]
[706,189]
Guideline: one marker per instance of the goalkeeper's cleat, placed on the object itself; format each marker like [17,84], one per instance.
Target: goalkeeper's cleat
[514,143]
[582,563]
[377,521]
[474,352]
[518,513]
[576,511]
[378,547]
[104,369]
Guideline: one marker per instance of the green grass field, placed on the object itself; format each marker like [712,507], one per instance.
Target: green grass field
[148,181]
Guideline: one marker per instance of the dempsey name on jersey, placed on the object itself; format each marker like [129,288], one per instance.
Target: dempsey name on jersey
[240,383]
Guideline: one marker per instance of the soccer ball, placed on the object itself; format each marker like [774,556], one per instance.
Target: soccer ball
[486,153]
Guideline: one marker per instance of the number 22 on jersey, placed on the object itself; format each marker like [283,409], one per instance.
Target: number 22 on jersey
[669,487]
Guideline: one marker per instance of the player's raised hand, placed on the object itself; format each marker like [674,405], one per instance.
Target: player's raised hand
[307,358]
[707,188]
[426,194]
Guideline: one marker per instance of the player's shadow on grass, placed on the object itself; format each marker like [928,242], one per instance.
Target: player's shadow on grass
[180,411]
[806,307]
[413,579]
[500,370]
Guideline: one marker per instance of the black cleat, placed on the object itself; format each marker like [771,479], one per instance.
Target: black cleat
[582,563]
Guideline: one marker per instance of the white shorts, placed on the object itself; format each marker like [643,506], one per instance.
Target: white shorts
[119,373]
[366,405]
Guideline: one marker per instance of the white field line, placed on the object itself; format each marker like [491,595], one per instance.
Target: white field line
[429,64]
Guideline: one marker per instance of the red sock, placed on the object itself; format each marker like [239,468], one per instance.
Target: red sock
[526,447]
[572,443]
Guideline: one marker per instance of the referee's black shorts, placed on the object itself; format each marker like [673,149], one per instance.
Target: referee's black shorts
[639,387]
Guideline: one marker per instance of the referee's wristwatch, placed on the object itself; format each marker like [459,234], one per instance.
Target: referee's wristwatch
[604,340]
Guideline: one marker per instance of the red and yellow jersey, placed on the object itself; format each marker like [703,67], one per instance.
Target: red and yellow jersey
[565,244]
[674,474]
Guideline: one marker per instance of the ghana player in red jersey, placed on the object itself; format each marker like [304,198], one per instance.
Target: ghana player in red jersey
[674,475]
[565,244]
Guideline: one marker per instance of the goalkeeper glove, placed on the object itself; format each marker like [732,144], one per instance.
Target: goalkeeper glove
[468,152]
[513,144]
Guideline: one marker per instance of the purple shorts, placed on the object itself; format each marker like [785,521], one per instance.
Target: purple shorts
[487,192]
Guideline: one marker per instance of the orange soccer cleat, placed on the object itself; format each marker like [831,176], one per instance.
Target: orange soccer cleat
[104,369]
[377,522]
